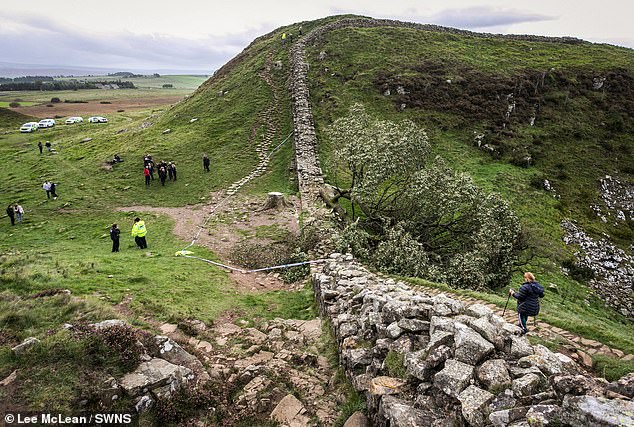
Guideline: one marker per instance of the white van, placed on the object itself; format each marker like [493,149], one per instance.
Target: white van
[29,127]
[46,123]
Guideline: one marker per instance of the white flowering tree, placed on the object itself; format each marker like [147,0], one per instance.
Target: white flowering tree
[415,216]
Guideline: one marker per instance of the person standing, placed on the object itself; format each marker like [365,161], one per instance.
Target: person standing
[19,212]
[169,171]
[174,170]
[11,214]
[527,298]
[47,187]
[146,173]
[39,145]
[48,146]
[162,175]
[138,232]
[206,162]
[114,235]
[53,193]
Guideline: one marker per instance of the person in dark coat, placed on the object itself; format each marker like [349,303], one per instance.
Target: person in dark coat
[48,146]
[527,300]
[39,145]
[162,175]
[53,193]
[169,170]
[206,162]
[11,214]
[114,235]
[174,170]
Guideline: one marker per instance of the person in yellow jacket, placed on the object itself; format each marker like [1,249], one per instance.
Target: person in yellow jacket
[138,232]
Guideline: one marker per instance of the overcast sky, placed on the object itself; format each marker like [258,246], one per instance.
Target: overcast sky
[203,35]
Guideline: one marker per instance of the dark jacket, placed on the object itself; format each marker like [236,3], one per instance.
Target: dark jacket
[528,298]
[114,233]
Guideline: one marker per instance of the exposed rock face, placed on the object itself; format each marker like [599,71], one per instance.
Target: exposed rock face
[462,365]
[612,267]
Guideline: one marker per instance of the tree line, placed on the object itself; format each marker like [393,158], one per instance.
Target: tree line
[62,85]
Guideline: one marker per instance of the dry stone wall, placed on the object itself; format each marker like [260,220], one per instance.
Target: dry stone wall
[432,361]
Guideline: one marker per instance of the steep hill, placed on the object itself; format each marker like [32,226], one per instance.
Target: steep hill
[540,121]
[12,118]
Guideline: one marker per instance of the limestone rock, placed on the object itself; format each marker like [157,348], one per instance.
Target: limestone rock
[174,353]
[413,325]
[358,419]
[290,412]
[454,377]
[153,374]
[470,347]
[520,347]
[143,404]
[108,324]
[439,338]
[474,402]
[576,385]
[439,323]
[385,385]
[478,310]
[357,356]
[547,361]
[393,330]
[8,380]
[624,386]
[597,411]
[25,345]
[494,375]
[401,414]
[544,415]
[526,385]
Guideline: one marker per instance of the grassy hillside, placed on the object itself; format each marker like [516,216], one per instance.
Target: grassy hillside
[64,244]
[11,119]
[457,87]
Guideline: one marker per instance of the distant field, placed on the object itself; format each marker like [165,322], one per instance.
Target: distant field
[150,94]
[189,82]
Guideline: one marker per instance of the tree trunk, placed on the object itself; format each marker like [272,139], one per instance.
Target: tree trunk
[275,201]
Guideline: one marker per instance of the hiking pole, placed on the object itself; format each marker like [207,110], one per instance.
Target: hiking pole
[506,305]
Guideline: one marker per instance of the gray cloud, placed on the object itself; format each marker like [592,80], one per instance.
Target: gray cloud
[43,41]
[484,17]
[470,18]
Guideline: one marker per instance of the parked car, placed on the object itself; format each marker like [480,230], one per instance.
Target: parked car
[98,119]
[46,123]
[73,120]
[29,127]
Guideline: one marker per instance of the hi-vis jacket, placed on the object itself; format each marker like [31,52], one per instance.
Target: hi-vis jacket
[138,229]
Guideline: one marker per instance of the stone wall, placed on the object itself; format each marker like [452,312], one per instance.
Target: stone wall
[432,361]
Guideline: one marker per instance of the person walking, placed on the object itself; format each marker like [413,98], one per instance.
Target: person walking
[47,187]
[146,173]
[53,193]
[19,212]
[114,235]
[174,170]
[527,298]
[48,146]
[39,145]
[138,232]
[206,162]
[11,214]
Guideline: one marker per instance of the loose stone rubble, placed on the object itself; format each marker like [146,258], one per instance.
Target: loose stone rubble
[464,365]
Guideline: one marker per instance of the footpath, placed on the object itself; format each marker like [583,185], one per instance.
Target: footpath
[578,348]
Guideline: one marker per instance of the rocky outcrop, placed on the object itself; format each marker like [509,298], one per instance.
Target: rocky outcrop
[459,364]
[612,268]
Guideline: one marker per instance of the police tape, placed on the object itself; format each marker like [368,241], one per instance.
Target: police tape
[187,254]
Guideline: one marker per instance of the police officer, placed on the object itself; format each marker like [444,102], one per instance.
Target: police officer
[139,232]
